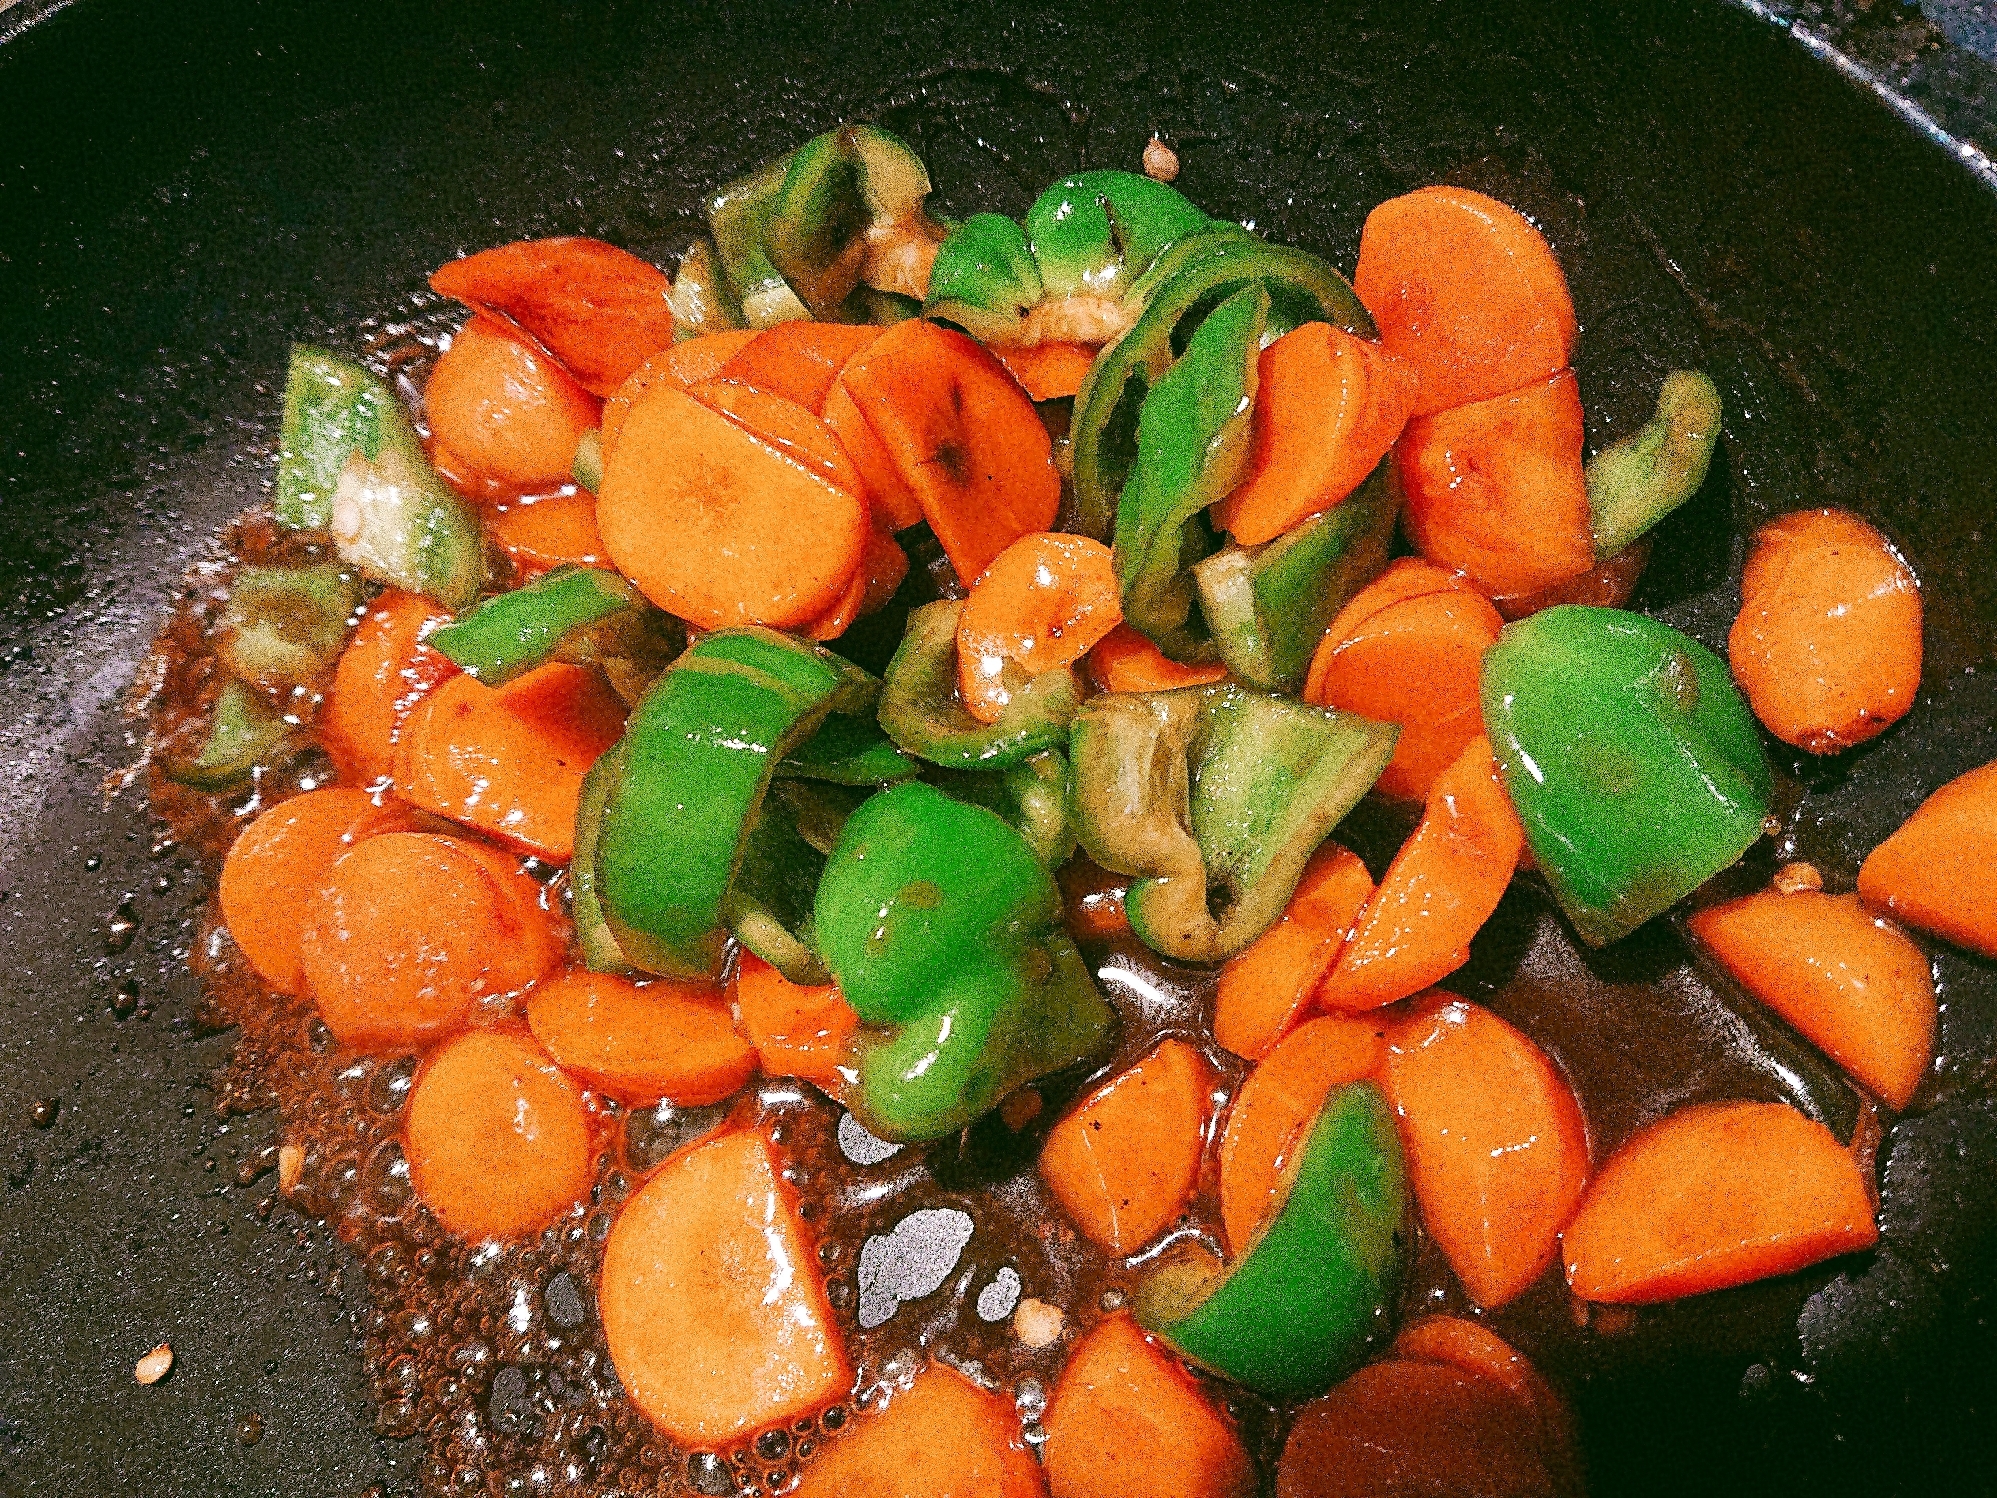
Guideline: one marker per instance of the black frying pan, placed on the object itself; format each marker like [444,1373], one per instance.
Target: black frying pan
[185,188]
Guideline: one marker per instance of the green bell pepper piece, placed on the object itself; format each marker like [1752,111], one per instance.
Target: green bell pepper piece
[818,223]
[943,932]
[1269,606]
[884,309]
[1096,232]
[739,216]
[245,734]
[701,298]
[1189,278]
[284,625]
[921,713]
[600,952]
[1301,1308]
[511,633]
[1031,795]
[1192,448]
[1635,767]
[1641,479]
[984,278]
[699,753]
[819,808]
[769,903]
[1213,799]
[849,751]
[350,463]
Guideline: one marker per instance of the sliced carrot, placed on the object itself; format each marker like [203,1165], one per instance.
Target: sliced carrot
[510,760]
[1124,660]
[600,310]
[411,931]
[275,869]
[504,409]
[1408,650]
[1048,371]
[497,1138]
[882,567]
[551,530]
[712,1302]
[964,437]
[1044,603]
[1939,871]
[1496,1149]
[1495,490]
[1828,642]
[941,1437]
[680,366]
[1715,1195]
[720,528]
[1440,889]
[798,1031]
[386,669]
[1265,989]
[785,425]
[1328,407]
[1608,586]
[1276,1104]
[1467,291]
[1125,1161]
[895,506]
[798,360]
[1475,1348]
[1093,898]
[642,1043]
[1850,982]
[1126,1418]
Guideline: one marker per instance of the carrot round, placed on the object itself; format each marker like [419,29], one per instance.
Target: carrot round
[642,1043]
[552,530]
[1955,830]
[785,425]
[1281,1097]
[678,367]
[717,526]
[1850,982]
[1495,490]
[1125,1161]
[1496,1149]
[510,760]
[386,669]
[1043,603]
[1713,1196]
[941,1437]
[895,507]
[275,869]
[1608,585]
[1264,989]
[1467,291]
[1408,650]
[1440,889]
[1328,408]
[1126,1418]
[966,440]
[411,931]
[1475,1348]
[798,1031]
[798,360]
[1048,371]
[883,564]
[600,310]
[712,1303]
[1125,660]
[497,1138]
[1827,645]
[504,409]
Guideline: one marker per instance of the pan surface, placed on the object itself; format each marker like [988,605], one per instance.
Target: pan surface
[185,189]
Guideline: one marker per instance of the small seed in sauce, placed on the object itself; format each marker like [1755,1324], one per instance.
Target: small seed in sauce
[155,1365]
[1037,1323]
[1161,162]
[1793,878]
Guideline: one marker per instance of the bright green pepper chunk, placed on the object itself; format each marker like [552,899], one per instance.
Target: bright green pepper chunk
[245,734]
[701,299]
[1268,606]
[849,751]
[1096,232]
[984,278]
[600,952]
[1302,1307]
[1635,766]
[943,932]
[739,216]
[1192,448]
[921,713]
[1213,799]
[1643,478]
[351,463]
[1031,795]
[512,633]
[284,625]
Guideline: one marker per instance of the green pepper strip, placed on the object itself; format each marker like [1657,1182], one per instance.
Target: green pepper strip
[701,298]
[943,932]
[1268,606]
[284,625]
[984,279]
[699,753]
[245,734]
[1214,798]
[1189,278]
[1032,796]
[739,216]
[600,952]
[1096,232]
[849,751]
[1635,767]
[1192,447]
[1302,1307]
[350,463]
[921,713]
[512,633]
[1643,478]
